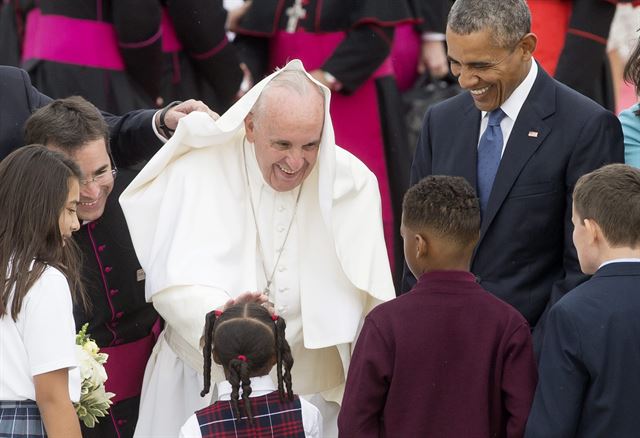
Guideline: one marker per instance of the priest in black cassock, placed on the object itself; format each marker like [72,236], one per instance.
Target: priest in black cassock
[120,320]
[123,55]
[345,44]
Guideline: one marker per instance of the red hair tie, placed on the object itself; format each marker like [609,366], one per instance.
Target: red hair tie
[217,313]
[274,317]
[242,357]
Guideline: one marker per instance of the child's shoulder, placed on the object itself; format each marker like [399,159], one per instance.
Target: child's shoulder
[53,273]
[52,285]
[593,294]
[52,277]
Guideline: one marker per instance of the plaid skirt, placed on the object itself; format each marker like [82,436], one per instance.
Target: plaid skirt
[20,419]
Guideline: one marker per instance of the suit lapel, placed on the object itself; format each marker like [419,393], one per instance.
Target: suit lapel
[528,133]
[466,140]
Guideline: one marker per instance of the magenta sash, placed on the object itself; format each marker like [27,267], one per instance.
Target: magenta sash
[404,54]
[126,363]
[170,41]
[67,40]
[356,117]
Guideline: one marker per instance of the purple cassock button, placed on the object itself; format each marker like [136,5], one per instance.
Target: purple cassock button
[107,269]
[119,315]
[101,247]
[113,292]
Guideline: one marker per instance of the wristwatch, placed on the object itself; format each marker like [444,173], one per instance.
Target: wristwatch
[166,131]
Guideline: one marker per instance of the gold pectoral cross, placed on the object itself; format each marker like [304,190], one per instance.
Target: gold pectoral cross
[295,13]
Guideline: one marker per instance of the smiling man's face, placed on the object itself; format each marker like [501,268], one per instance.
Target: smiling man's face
[286,133]
[489,72]
[97,180]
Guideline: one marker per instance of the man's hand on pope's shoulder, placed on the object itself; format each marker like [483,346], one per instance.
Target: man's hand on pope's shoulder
[172,115]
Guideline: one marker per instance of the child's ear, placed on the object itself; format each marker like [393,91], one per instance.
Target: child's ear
[422,245]
[593,230]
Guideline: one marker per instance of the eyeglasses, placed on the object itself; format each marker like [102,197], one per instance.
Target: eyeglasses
[100,177]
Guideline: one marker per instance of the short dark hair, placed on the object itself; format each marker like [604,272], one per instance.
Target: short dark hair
[67,124]
[610,196]
[445,205]
[507,20]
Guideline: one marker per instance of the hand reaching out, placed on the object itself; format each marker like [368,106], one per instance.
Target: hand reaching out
[175,113]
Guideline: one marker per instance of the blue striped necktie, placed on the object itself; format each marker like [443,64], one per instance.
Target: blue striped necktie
[489,153]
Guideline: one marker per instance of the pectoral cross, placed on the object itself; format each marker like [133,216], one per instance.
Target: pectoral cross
[295,13]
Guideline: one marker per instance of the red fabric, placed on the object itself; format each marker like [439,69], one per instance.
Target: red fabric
[170,41]
[550,22]
[588,35]
[126,363]
[271,418]
[446,360]
[356,118]
[404,54]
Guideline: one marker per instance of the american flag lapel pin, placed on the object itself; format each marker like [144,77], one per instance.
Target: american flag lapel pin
[533,134]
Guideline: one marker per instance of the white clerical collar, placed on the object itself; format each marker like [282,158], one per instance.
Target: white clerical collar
[620,260]
[513,104]
[260,385]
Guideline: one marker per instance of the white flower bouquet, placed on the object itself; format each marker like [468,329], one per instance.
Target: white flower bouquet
[94,401]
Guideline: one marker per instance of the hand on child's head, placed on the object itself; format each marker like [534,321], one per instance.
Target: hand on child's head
[270,307]
[247,297]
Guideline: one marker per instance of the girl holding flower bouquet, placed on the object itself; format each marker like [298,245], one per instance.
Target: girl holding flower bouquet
[248,341]
[39,192]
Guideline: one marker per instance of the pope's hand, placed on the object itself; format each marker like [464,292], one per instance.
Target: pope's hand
[246,297]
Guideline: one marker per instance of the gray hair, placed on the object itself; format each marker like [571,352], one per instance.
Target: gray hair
[507,20]
[293,80]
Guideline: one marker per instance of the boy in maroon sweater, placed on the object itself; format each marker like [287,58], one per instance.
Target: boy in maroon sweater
[447,359]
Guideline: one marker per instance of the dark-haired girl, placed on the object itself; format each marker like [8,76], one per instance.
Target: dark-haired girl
[248,341]
[39,378]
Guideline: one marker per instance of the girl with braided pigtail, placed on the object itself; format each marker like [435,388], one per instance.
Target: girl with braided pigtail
[284,357]
[247,340]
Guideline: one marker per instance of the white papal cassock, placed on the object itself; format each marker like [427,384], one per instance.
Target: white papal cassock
[189,215]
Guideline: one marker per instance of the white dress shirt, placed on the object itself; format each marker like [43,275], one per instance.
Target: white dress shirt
[621,260]
[512,106]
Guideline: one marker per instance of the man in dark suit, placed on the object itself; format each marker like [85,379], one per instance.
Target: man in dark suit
[522,139]
[589,384]
[132,136]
